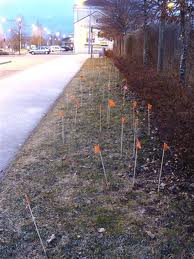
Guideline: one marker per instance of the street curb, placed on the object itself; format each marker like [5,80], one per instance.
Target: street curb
[6,62]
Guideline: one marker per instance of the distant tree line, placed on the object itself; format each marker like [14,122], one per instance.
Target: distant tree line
[19,37]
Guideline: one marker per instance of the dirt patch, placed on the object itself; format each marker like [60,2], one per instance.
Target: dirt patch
[69,197]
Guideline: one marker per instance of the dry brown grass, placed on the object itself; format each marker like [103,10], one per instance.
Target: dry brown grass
[67,190]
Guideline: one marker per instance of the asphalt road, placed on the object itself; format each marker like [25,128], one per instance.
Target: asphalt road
[26,96]
[18,63]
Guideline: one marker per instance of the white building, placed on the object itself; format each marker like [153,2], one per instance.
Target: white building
[87,37]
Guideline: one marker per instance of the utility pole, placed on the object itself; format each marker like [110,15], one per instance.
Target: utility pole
[145,26]
[89,35]
[20,40]
[91,42]
[19,21]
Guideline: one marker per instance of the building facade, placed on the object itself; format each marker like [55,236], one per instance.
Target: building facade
[87,36]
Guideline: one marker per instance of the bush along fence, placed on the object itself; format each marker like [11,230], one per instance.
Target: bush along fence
[155,110]
[172,106]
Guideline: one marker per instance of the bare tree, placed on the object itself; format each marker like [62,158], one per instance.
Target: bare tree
[145,28]
[123,16]
[191,43]
[184,49]
[159,11]
[163,15]
[186,23]
[17,38]
[119,17]
[37,35]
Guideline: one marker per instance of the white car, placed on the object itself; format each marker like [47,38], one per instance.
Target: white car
[56,49]
[39,50]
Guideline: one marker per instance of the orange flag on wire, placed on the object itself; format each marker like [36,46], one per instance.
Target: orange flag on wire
[149,106]
[75,100]
[72,97]
[165,147]
[125,88]
[61,114]
[134,104]
[27,199]
[77,103]
[111,103]
[138,144]
[97,149]
[123,120]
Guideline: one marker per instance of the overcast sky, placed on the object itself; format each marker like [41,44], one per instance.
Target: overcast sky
[57,15]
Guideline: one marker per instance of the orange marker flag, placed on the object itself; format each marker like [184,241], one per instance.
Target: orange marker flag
[111,103]
[136,122]
[61,114]
[27,199]
[77,103]
[134,104]
[149,106]
[97,149]
[123,120]
[138,144]
[125,88]
[75,100]
[72,97]
[165,147]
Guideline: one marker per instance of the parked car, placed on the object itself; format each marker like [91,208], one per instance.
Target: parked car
[3,52]
[56,49]
[40,50]
[67,48]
